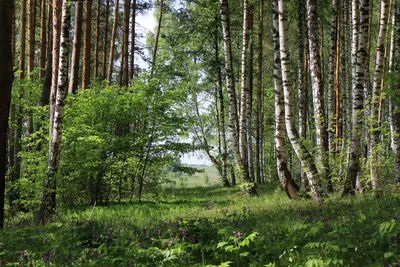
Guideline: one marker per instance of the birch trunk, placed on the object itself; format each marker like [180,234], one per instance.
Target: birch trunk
[232,100]
[318,92]
[48,197]
[376,91]
[260,97]
[301,151]
[358,96]
[284,174]
[244,87]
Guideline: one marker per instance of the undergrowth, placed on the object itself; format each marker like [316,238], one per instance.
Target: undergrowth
[213,226]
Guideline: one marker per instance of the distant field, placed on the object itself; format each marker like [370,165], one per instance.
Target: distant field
[199,179]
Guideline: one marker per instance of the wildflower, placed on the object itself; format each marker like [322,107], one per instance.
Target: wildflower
[129,264]
[185,232]
[3,262]
[193,240]
[46,257]
[171,242]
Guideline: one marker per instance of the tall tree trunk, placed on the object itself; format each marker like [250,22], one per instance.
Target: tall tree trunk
[14,33]
[96,48]
[331,72]
[232,99]
[112,46]
[43,39]
[260,98]
[76,49]
[301,151]
[249,99]
[22,41]
[56,57]
[48,197]
[153,62]
[87,44]
[358,96]
[396,109]
[105,43]
[125,41]
[244,89]
[221,117]
[133,27]
[46,88]
[285,177]
[31,35]
[302,63]
[6,79]
[376,91]
[318,92]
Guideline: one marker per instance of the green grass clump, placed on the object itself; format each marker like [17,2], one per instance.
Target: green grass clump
[213,226]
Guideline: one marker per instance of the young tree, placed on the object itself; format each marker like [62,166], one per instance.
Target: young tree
[48,197]
[6,79]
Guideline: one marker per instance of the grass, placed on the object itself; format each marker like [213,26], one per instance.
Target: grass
[209,226]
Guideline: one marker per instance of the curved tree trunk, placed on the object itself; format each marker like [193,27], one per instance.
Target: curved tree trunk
[285,177]
[301,151]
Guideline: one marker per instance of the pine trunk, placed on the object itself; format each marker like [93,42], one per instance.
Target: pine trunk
[125,37]
[112,46]
[87,44]
[105,43]
[133,32]
[6,79]
[31,35]
[96,47]
[76,49]
[43,37]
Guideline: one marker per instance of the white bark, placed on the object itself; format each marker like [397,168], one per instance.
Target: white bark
[301,151]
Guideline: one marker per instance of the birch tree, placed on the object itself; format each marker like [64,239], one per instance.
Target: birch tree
[301,151]
[358,97]
[317,91]
[48,197]
[376,91]
[284,174]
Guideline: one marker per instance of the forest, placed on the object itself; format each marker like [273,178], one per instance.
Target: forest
[295,103]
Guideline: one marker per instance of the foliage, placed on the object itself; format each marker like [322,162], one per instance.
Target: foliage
[216,227]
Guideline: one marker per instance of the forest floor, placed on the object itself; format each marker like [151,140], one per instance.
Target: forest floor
[213,226]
